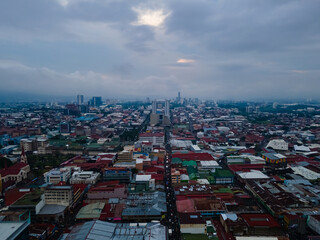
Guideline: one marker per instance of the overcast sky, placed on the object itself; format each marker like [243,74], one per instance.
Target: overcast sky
[218,49]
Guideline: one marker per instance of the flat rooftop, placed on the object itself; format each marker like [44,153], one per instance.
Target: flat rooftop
[32,198]
[10,230]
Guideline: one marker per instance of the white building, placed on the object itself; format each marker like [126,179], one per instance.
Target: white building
[278,144]
[56,175]
[84,177]
[155,138]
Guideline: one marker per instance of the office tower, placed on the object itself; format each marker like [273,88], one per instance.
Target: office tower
[179,97]
[79,99]
[154,106]
[160,112]
[167,109]
[95,101]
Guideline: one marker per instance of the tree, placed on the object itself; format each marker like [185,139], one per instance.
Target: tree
[3,160]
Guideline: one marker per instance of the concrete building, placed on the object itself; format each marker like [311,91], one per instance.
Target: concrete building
[157,139]
[14,230]
[124,156]
[105,230]
[28,144]
[192,223]
[175,176]
[84,177]
[79,99]
[65,127]
[145,206]
[160,112]
[14,174]
[56,175]
[96,101]
[123,175]
[60,195]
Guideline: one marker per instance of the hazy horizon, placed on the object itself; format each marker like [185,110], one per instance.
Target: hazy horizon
[250,50]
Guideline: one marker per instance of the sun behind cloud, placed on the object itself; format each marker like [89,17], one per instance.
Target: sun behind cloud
[149,17]
[184,60]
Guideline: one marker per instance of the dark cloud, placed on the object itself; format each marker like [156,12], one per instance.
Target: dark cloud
[227,49]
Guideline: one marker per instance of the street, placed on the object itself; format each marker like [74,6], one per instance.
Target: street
[172,220]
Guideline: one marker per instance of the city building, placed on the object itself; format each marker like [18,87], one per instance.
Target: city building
[95,101]
[80,99]
[157,139]
[14,230]
[65,127]
[160,112]
[57,175]
[28,144]
[59,195]
[123,175]
[105,230]
[84,177]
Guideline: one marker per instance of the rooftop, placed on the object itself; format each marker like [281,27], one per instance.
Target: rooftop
[11,230]
[32,198]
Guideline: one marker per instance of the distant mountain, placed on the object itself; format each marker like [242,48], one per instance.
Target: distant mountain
[29,97]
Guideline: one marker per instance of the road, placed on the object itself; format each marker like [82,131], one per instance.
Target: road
[172,220]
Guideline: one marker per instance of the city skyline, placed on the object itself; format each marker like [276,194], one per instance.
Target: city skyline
[118,49]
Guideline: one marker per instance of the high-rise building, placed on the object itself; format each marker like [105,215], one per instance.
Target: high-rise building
[95,101]
[79,99]
[167,109]
[160,112]
[179,97]
[154,106]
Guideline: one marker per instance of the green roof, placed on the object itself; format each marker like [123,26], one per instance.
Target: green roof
[176,160]
[189,163]
[191,169]
[193,176]
[223,173]
[210,229]
[223,190]
[91,211]
[181,126]
[210,179]
[32,198]
[94,145]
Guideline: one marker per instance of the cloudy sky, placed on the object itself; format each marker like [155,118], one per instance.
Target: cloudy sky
[218,49]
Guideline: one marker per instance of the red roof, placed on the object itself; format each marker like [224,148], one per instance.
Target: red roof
[154,169]
[296,158]
[151,135]
[260,220]
[185,206]
[248,150]
[193,156]
[245,167]
[157,177]
[13,170]
[13,195]
[106,212]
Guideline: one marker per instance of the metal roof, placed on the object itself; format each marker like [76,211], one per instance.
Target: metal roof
[100,230]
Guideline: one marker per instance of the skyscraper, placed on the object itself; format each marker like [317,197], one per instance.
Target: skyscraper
[160,112]
[154,106]
[167,109]
[79,99]
[96,101]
